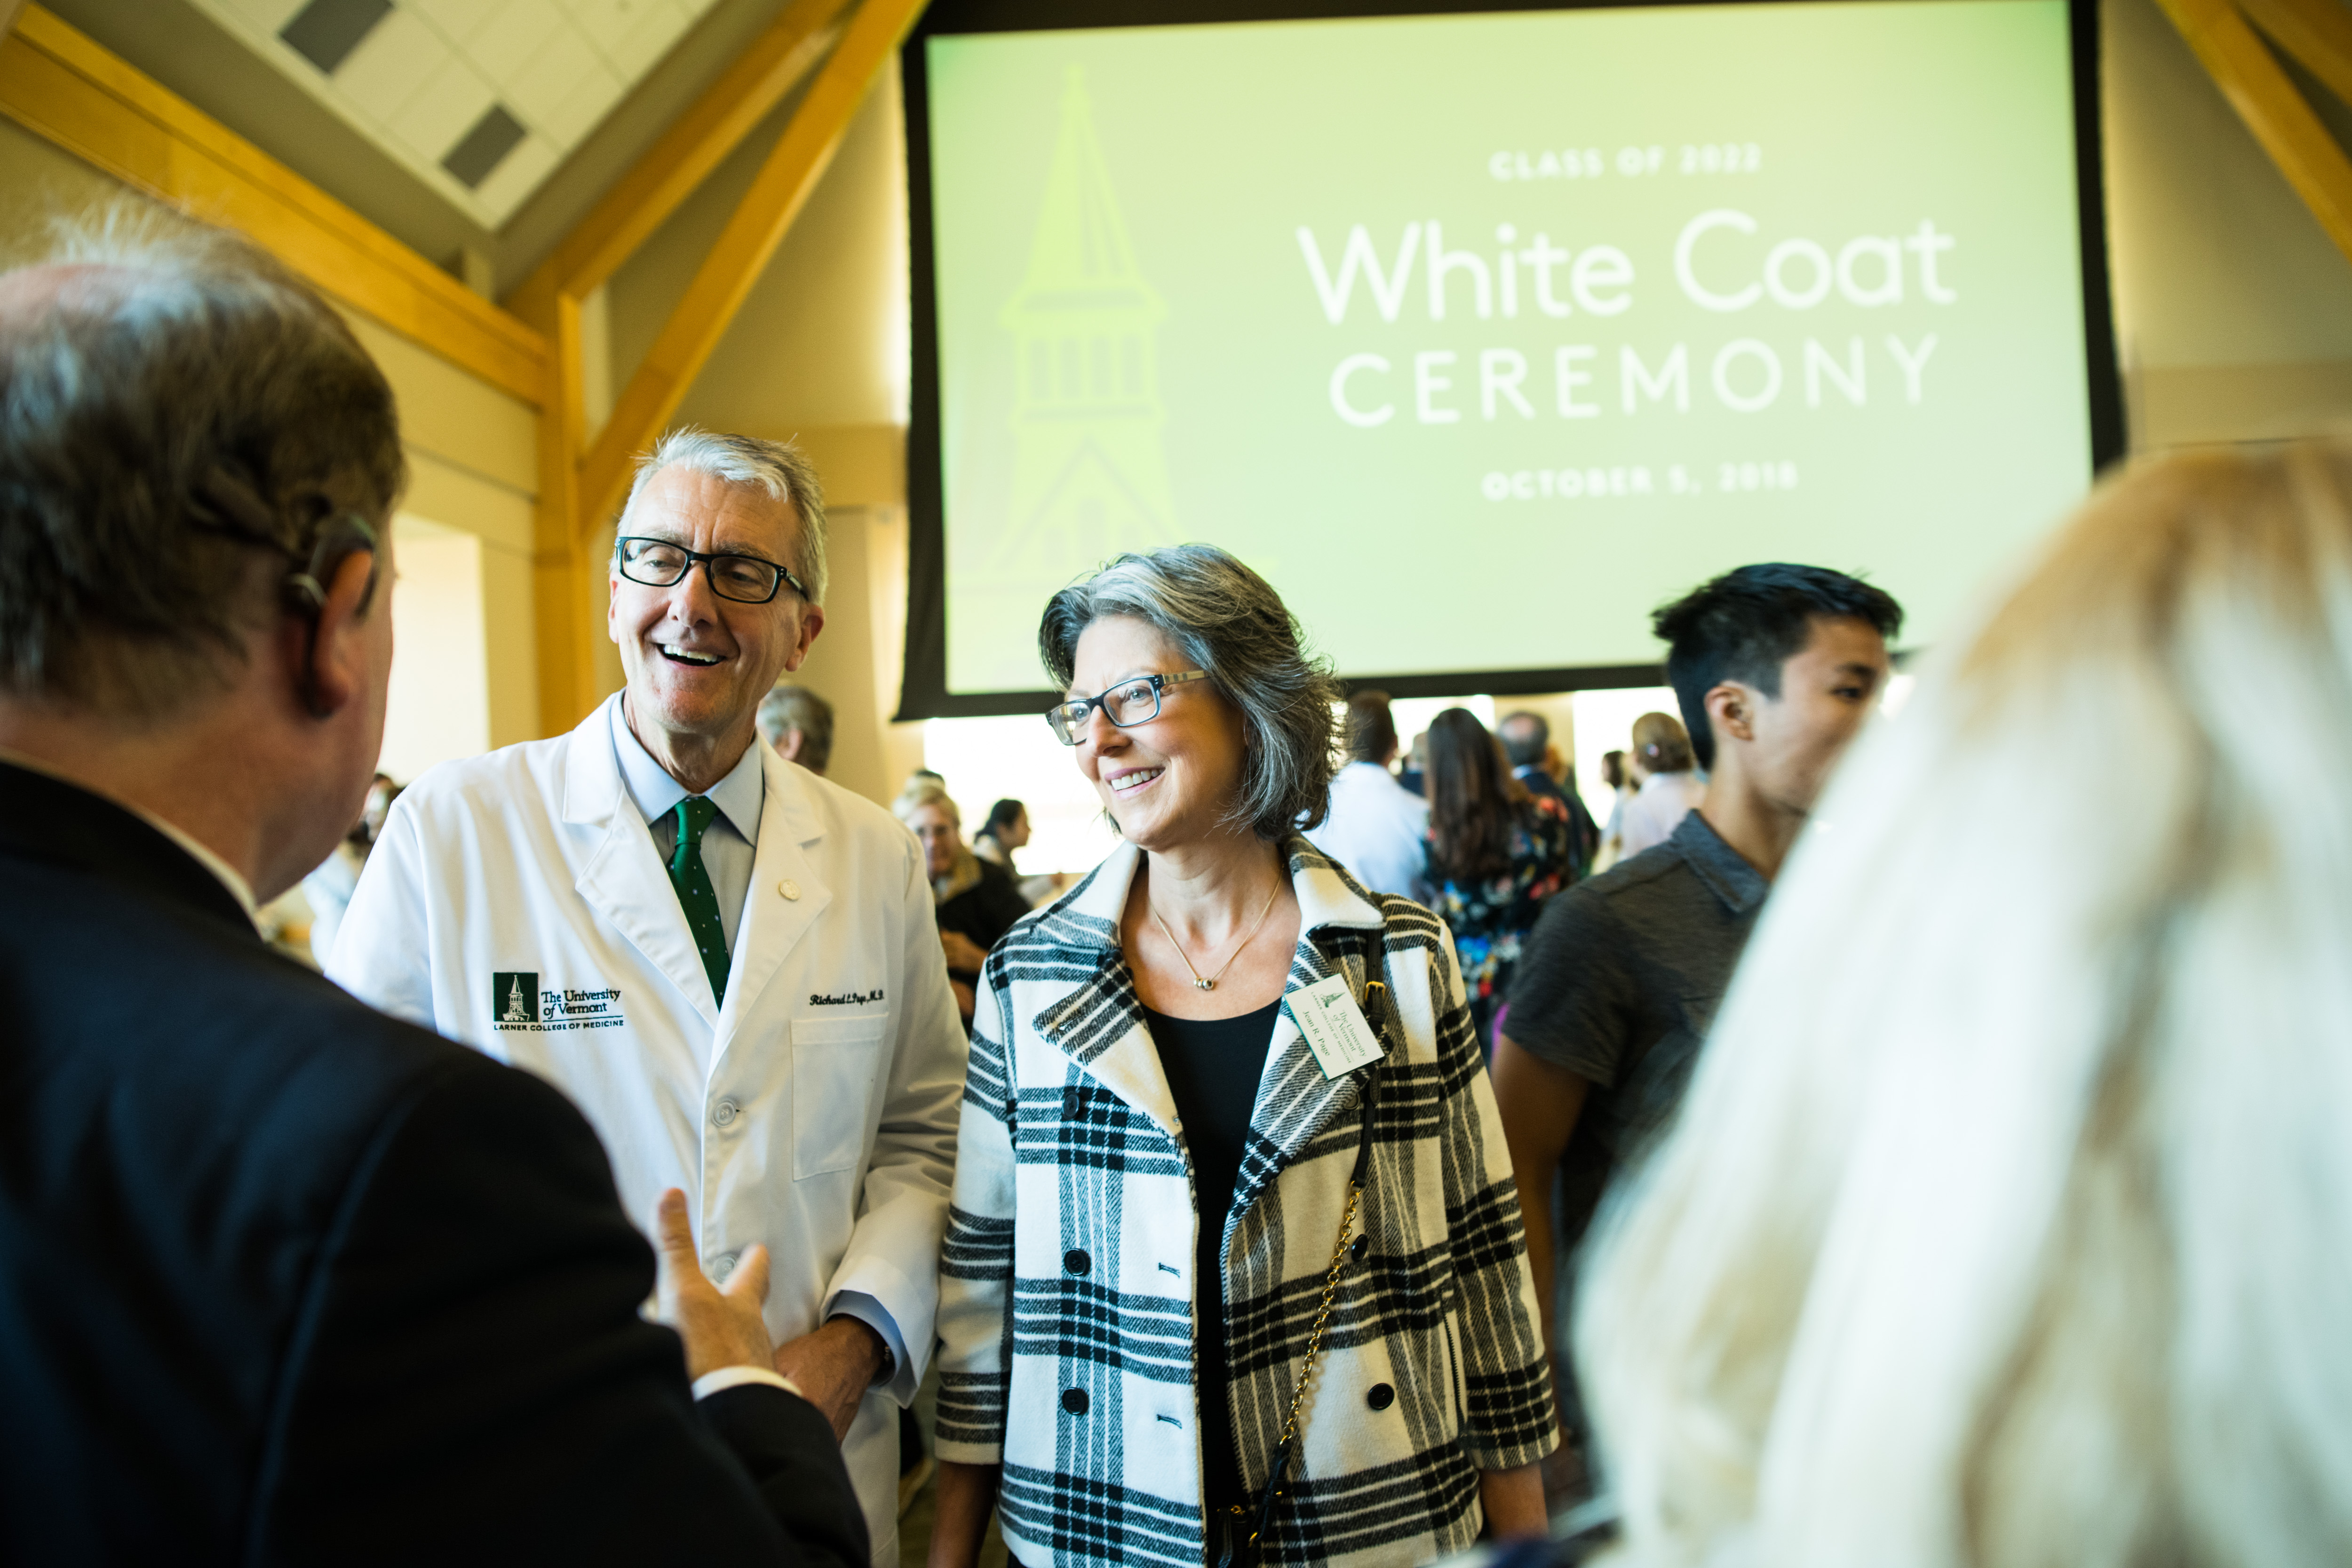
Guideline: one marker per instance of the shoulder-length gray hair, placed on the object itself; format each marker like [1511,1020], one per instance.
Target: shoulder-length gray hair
[1230,623]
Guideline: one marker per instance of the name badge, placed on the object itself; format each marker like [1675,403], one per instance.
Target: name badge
[1334,1028]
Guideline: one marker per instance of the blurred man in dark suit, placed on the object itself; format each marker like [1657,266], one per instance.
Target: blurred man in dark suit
[1527,746]
[284,1280]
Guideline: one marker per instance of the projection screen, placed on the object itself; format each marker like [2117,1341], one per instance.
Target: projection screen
[1480,335]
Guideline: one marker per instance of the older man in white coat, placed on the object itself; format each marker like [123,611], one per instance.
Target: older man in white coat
[729,964]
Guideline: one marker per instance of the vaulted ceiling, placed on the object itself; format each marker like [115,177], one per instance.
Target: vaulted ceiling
[481,99]
[475,131]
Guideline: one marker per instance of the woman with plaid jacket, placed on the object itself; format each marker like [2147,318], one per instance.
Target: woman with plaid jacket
[1234,1269]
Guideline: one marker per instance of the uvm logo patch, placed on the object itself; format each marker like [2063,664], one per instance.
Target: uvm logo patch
[514,996]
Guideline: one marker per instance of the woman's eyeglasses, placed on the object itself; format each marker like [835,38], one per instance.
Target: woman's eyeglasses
[1129,703]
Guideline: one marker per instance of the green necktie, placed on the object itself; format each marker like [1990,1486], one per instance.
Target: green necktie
[694,894]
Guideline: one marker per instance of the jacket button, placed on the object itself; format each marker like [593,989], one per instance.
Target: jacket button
[1073,1101]
[724,1114]
[1380,1397]
[1074,1400]
[1357,1248]
[1077,1262]
[791,891]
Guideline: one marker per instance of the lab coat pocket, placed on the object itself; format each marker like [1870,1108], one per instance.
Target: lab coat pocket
[837,1074]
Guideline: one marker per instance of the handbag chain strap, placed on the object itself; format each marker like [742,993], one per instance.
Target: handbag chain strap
[1356,1180]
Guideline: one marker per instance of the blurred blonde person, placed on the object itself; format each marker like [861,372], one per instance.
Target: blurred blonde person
[1669,787]
[975,899]
[2005,1222]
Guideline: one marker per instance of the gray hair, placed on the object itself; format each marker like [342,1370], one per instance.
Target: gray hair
[777,469]
[179,425]
[787,707]
[1230,622]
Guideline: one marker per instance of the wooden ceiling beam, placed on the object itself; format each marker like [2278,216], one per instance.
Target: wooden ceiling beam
[2266,98]
[2316,33]
[742,251]
[777,61]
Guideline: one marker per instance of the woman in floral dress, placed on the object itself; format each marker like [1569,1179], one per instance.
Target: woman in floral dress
[1493,852]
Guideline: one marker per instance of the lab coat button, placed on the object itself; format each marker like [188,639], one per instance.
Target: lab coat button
[722,1266]
[725,1112]
[791,889]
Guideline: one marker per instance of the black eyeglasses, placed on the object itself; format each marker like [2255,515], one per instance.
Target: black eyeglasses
[662,564]
[1129,703]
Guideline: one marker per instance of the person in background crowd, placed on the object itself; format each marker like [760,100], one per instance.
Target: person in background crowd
[759,1010]
[1615,773]
[2005,1222]
[287,1281]
[1776,668]
[328,888]
[976,902]
[1006,829]
[1536,764]
[1411,777]
[1375,827]
[798,723]
[1155,1165]
[1666,785]
[1494,853]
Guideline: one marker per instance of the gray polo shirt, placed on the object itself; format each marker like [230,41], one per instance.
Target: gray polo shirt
[1622,974]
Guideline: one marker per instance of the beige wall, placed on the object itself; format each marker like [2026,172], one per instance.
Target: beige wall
[439,705]
[2233,310]
[473,463]
[472,448]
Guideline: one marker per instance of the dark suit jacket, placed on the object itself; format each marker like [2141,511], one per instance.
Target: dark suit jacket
[283,1280]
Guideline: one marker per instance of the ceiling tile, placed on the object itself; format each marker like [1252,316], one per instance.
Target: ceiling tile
[449,104]
[517,175]
[459,19]
[608,23]
[484,147]
[515,39]
[650,39]
[391,65]
[578,114]
[541,85]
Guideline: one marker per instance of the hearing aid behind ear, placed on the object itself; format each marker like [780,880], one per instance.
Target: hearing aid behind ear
[340,537]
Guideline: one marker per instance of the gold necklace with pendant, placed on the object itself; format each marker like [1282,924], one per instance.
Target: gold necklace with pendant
[1209,983]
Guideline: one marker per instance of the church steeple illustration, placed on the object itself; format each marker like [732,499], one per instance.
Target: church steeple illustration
[1090,475]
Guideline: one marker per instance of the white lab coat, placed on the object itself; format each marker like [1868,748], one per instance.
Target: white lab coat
[515,902]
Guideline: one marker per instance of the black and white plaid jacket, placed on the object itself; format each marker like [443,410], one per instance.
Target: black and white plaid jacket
[1067,1303]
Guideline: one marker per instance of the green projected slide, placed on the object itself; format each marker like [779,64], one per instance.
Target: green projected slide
[1479,336]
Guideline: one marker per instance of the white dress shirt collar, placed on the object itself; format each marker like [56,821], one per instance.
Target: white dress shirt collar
[738,796]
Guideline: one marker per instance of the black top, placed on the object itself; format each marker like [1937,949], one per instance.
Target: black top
[286,1280]
[983,912]
[1213,1066]
[1620,978]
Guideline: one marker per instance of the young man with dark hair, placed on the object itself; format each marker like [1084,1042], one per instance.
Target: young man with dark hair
[1775,667]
